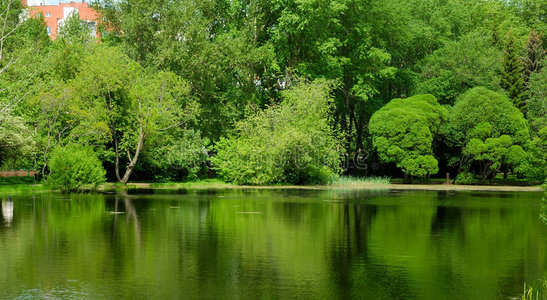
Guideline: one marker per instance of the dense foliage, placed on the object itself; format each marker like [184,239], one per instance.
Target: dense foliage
[403,132]
[75,168]
[290,142]
[489,130]
[172,85]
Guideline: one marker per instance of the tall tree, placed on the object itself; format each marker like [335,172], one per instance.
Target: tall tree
[537,103]
[460,65]
[133,103]
[512,76]
[333,40]
[22,44]
[217,46]
[533,59]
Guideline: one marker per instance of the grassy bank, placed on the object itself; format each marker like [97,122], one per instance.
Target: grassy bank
[511,180]
[350,181]
[25,185]
[20,185]
[200,184]
[343,182]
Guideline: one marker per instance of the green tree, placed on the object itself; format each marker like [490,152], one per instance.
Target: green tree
[58,117]
[471,61]
[74,30]
[219,47]
[537,103]
[512,76]
[179,155]
[492,152]
[16,141]
[485,125]
[333,40]
[10,11]
[23,44]
[403,132]
[536,164]
[133,103]
[291,142]
[533,60]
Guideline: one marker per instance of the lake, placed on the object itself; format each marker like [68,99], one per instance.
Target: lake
[239,244]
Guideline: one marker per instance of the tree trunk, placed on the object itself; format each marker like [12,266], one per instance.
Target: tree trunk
[408,178]
[133,161]
[359,132]
[116,150]
[350,126]
[493,177]
[485,172]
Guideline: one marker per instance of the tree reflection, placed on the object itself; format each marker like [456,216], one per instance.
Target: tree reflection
[7,210]
[130,216]
[298,245]
[544,209]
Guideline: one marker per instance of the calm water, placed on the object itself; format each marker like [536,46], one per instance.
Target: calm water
[271,244]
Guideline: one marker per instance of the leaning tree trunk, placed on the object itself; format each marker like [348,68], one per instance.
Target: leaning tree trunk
[133,161]
[140,143]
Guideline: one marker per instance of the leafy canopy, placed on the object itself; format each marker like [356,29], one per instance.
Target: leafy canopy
[403,132]
[489,129]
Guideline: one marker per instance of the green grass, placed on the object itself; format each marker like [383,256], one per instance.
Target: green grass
[342,181]
[213,182]
[19,185]
[421,180]
[538,291]
[359,181]
[204,183]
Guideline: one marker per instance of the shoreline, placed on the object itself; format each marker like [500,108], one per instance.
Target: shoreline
[113,187]
[398,187]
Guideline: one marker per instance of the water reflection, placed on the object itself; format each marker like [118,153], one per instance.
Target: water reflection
[7,211]
[130,215]
[294,244]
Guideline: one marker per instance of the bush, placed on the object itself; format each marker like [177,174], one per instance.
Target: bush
[403,132]
[465,178]
[288,143]
[75,168]
[180,156]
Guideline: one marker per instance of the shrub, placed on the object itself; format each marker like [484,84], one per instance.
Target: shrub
[464,178]
[288,143]
[179,156]
[75,168]
[403,132]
